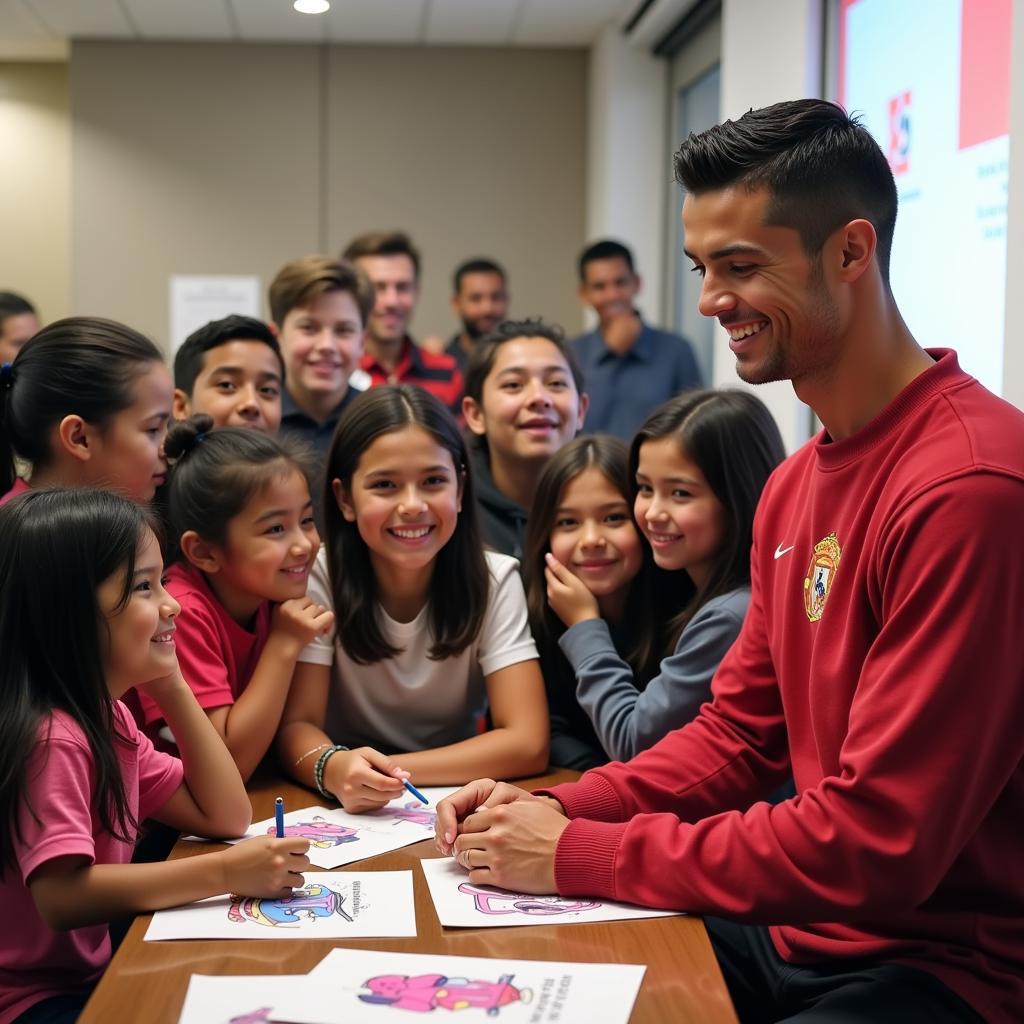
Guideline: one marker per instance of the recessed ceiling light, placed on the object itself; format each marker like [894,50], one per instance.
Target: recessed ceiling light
[311,6]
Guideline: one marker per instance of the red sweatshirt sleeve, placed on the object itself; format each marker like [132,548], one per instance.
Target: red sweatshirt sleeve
[938,704]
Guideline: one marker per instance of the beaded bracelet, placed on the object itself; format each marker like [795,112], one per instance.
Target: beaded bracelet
[321,765]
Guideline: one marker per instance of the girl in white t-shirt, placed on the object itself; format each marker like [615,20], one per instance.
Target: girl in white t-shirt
[431,631]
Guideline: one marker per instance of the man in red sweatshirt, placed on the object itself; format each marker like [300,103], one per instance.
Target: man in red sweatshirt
[880,660]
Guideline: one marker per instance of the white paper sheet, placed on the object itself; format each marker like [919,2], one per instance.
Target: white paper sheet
[337,837]
[248,999]
[356,986]
[195,300]
[337,905]
[460,904]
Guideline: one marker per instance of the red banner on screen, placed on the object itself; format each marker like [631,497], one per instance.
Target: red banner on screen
[984,70]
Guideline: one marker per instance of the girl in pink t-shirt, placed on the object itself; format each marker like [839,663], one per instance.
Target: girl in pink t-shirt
[84,616]
[241,518]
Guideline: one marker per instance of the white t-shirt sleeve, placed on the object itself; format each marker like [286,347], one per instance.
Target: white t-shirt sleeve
[321,650]
[505,637]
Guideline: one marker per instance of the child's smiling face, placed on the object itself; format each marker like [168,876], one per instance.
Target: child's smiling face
[138,644]
[269,549]
[405,498]
[594,535]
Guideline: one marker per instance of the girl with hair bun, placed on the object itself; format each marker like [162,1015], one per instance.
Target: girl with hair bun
[241,521]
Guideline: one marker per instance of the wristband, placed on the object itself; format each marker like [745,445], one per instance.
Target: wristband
[321,765]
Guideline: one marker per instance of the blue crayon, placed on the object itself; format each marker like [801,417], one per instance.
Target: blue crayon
[279,816]
[415,792]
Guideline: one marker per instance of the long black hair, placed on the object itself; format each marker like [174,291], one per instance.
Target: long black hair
[81,365]
[644,630]
[56,548]
[735,443]
[459,584]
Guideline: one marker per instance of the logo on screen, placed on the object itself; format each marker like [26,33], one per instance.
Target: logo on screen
[899,133]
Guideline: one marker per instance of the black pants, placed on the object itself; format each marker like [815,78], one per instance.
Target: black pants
[55,1010]
[764,988]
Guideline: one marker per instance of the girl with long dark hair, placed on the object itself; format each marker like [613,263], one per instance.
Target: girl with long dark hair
[431,636]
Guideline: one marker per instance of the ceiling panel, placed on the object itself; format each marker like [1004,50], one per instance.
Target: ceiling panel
[83,18]
[40,23]
[18,22]
[470,22]
[565,23]
[182,19]
[377,21]
[277,21]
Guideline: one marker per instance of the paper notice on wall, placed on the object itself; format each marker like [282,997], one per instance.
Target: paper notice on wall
[195,300]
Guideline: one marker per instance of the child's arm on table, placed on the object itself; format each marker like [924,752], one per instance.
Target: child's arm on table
[248,726]
[516,746]
[69,892]
[360,779]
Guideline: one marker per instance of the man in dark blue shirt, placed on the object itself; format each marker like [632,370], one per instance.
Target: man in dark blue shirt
[630,367]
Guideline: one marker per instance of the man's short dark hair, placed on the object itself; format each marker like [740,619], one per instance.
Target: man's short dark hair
[820,166]
[476,266]
[383,243]
[606,249]
[188,361]
[13,304]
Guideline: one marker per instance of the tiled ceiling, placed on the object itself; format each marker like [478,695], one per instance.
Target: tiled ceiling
[42,29]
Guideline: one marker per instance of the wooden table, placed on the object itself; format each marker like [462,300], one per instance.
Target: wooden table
[146,981]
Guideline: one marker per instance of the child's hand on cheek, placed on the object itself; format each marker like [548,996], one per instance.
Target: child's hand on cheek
[164,687]
[300,621]
[568,595]
[363,779]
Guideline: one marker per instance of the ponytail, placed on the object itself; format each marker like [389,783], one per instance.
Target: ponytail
[81,366]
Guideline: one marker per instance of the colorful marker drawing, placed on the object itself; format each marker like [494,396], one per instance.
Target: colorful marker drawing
[493,903]
[426,992]
[315,901]
[260,1016]
[416,813]
[320,833]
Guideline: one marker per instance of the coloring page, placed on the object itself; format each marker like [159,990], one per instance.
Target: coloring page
[357,986]
[461,904]
[339,905]
[235,1000]
[337,837]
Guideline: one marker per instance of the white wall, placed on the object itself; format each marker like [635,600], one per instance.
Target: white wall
[628,168]
[1013,350]
[770,52]
[35,185]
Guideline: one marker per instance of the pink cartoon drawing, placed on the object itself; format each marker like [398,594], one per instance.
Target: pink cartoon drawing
[416,813]
[315,901]
[427,992]
[260,1016]
[492,902]
[320,832]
